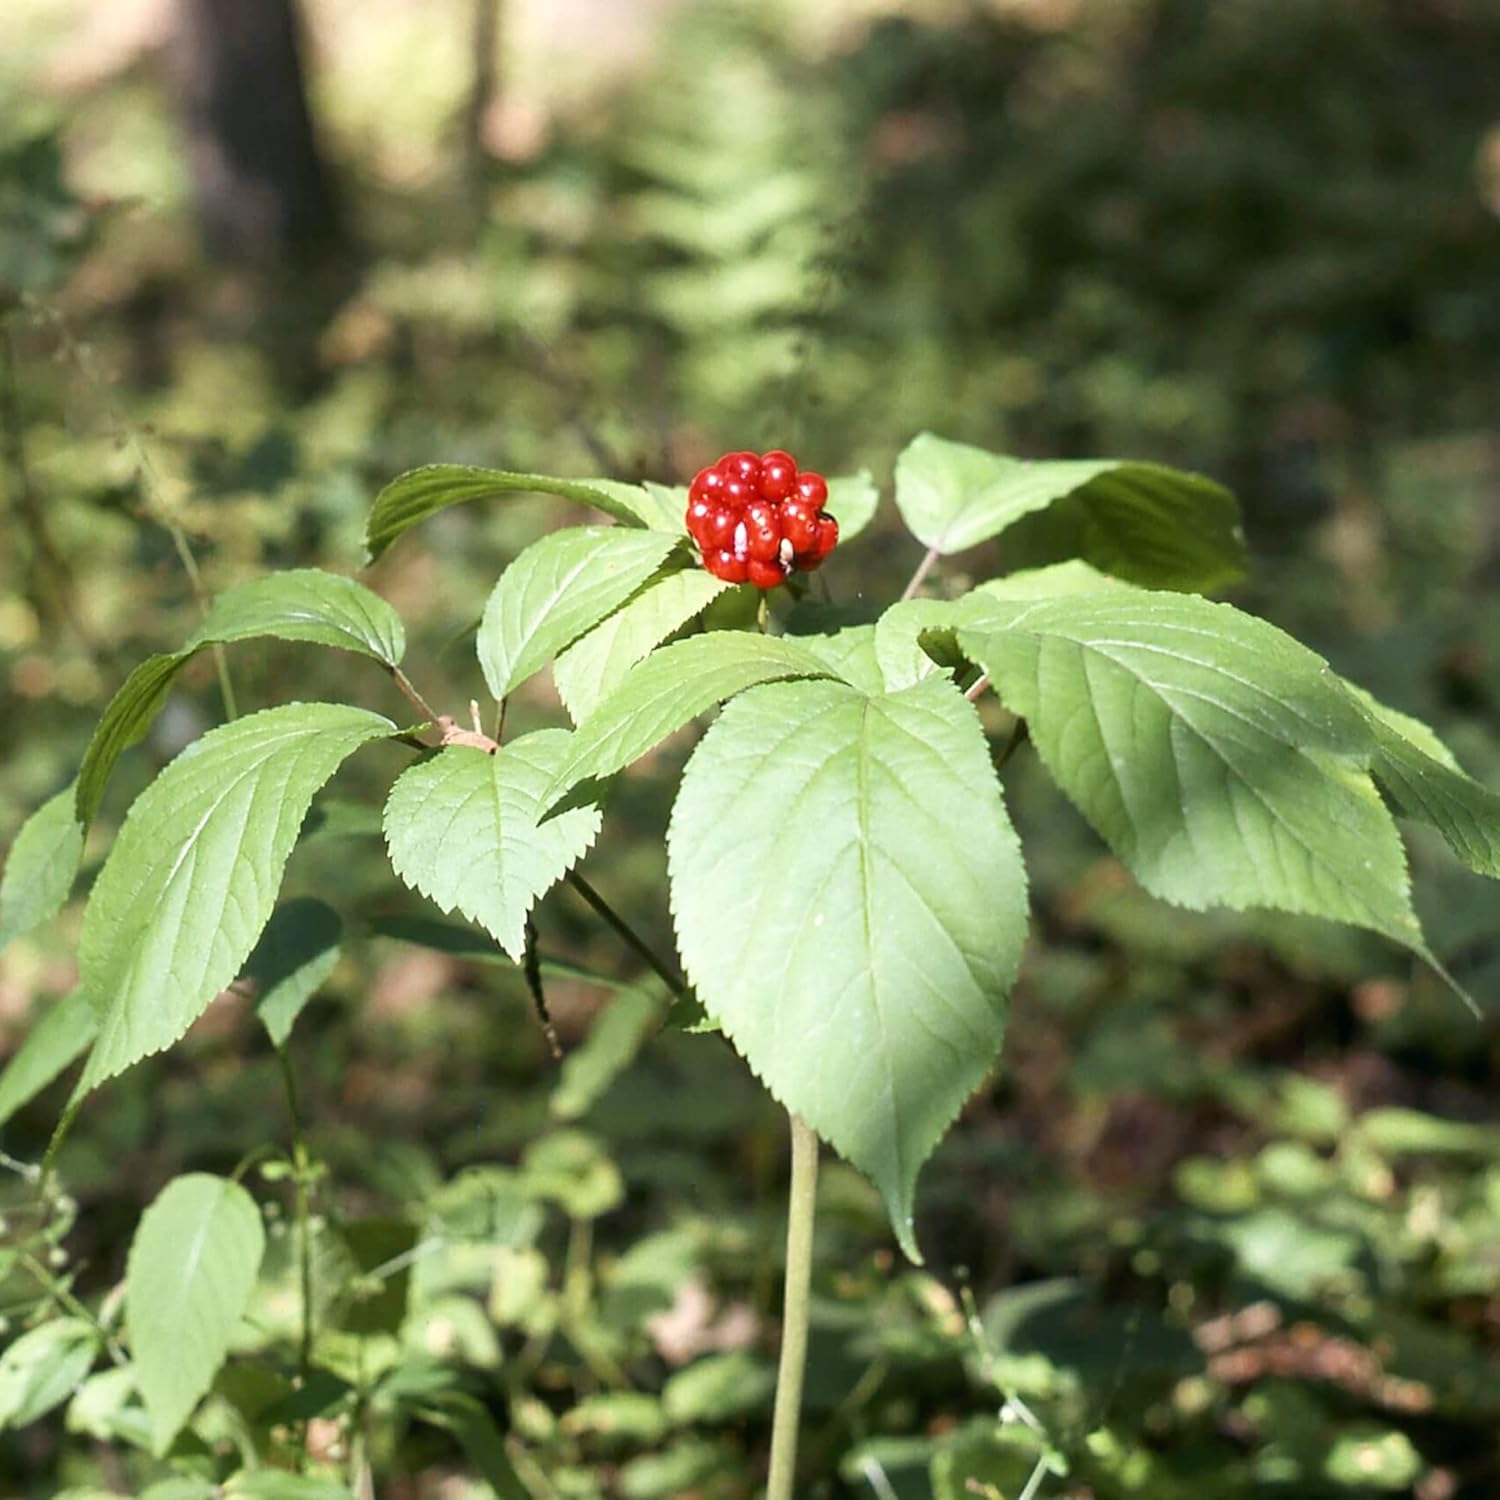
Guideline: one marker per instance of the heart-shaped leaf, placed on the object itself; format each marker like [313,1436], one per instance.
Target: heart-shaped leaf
[464,829]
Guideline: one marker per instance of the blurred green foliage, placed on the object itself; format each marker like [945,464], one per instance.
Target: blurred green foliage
[1226,1220]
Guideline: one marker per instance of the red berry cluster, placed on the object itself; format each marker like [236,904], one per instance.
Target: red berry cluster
[758,519]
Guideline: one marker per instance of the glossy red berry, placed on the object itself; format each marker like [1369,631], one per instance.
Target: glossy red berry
[812,488]
[778,473]
[722,563]
[766,575]
[758,519]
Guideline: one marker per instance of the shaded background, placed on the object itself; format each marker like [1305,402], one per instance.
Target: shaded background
[1231,1206]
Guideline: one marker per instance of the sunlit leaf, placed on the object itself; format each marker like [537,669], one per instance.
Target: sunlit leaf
[1138,521]
[41,866]
[558,588]
[305,604]
[53,1044]
[670,688]
[192,1267]
[192,878]
[419,493]
[463,828]
[844,876]
[1219,759]
[594,664]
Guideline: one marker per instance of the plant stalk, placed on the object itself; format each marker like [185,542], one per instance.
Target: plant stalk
[626,933]
[802,1201]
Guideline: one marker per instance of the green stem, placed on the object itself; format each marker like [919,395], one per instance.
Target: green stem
[626,933]
[801,1205]
[302,1209]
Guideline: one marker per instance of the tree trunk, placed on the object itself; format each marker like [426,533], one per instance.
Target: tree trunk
[263,191]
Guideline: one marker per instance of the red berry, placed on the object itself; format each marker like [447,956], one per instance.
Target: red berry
[799,523]
[757,518]
[709,524]
[778,472]
[708,484]
[744,466]
[738,493]
[813,488]
[763,530]
[765,575]
[722,563]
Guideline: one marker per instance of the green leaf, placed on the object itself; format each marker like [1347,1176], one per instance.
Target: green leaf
[41,866]
[845,881]
[192,878]
[306,604]
[1369,1457]
[669,689]
[847,651]
[302,605]
[294,956]
[1138,521]
[614,1039]
[126,718]
[718,1388]
[852,501]
[557,589]
[57,1041]
[1219,759]
[462,828]
[42,1368]
[475,1430]
[188,1279]
[1424,782]
[907,637]
[277,1484]
[419,493]
[594,664]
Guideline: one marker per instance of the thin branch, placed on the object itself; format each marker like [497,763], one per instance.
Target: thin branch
[627,934]
[412,696]
[976,689]
[918,578]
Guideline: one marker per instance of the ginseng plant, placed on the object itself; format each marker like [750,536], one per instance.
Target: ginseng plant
[848,894]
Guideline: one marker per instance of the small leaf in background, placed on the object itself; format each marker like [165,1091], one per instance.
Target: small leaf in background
[718,1388]
[670,688]
[556,590]
[842,866]
[1368,1457]
[295,954]
[1142,522]
[41,866]
[52,1044]
[594,664]
[614,1039]
[490,1205]
[573,1170]
[306,604]
[419,493]
[192,1267]
[462,828]
[852,501]
[275,1484]
[1217,757]
[43,1368]
[192,878]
